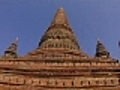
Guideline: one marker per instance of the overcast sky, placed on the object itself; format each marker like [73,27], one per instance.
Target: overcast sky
[89,19]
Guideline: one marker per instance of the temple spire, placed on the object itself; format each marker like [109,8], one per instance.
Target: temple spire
[101,50]
[58,38]
[12,50]
[60,18]
[59,34]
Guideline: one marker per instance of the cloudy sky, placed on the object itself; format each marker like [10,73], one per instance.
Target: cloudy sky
[90,19]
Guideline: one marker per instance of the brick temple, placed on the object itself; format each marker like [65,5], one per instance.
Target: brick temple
[58,63]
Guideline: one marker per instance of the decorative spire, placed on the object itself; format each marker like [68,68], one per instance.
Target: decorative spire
[59,34]
[101,50]
[12,49]
[60,18]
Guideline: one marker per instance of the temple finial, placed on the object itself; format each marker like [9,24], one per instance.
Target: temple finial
[12,49]
[118,43]
[61,8]
[101,50]
[60,18]
[16,41]
[98,40]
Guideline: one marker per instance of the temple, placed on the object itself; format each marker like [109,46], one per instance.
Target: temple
[58,63]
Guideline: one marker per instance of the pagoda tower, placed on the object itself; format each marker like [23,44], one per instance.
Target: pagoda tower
[58,63]
[11,51]
[101,50]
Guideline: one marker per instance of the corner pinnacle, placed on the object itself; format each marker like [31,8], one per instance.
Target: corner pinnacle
[101,50]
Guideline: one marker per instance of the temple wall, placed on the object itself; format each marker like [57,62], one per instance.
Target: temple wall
[59,82]
[11,63]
